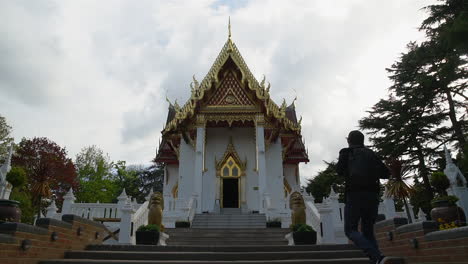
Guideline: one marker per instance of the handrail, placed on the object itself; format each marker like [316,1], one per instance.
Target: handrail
[313,214]
[92,210]
[140,217]
[192,206]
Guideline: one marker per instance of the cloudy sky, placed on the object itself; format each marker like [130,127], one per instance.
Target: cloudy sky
[97,72]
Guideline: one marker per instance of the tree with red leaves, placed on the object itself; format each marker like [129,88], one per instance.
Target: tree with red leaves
[49,170]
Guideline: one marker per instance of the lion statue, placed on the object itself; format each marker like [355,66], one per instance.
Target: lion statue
[156,207]
[297,206]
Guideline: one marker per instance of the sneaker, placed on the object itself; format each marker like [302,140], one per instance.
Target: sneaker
[382,260]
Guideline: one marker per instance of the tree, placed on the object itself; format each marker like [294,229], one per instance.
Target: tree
[50,171]
[151,178]
[320,185]
[5,138]
[95,178]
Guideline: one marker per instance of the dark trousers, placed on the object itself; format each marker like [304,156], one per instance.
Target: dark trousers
[362,206]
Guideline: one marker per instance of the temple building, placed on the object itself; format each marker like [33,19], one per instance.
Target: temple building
[230,145]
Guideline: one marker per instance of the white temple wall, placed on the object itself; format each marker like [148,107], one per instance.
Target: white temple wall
[171,176]
[186,170]
[217,140]
[290,173]
[274,165]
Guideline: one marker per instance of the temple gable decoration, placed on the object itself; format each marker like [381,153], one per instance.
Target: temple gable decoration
[230,166]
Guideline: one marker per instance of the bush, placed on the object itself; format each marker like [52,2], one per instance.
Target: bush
[450,199]
[148,228]
[16,176]
[302,228]
[440,182]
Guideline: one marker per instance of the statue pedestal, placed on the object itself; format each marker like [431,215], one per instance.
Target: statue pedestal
[162,239]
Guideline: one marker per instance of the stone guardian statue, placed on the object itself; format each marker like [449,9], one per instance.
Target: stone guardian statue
[156,207]
[297,206]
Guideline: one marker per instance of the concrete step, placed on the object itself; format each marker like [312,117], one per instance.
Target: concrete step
[301,261]
[210,256]
[261,248]
[222,230]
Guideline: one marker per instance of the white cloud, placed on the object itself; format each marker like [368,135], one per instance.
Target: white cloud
[97,72]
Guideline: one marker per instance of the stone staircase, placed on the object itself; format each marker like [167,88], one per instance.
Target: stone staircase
[218,239]
[227,237]
[220,254]
[229,219]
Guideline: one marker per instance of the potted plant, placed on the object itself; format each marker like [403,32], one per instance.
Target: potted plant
[304,234]
[275,223]
[147,235]
[182,224]
[445,210]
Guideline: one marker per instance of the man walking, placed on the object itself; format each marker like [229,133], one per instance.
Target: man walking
[362,170]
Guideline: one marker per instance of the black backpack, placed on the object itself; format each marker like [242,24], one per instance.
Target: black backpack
[365,169]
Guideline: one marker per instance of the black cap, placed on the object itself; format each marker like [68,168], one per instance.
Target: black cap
[355,137]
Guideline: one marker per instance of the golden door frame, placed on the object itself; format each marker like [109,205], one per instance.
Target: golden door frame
[225,170]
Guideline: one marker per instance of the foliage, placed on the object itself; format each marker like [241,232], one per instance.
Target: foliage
[449,199]
[50,171]
[301,228]
[5,138]
[24,198]
[396,186]
[440,182]
[420,198]
[426,105]
[320,185]
[17,177]
[94,171]
[148,228]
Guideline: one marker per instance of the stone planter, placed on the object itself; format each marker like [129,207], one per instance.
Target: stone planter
[305,238]
[448,213]
[10,211]
[273,224]
[147,237]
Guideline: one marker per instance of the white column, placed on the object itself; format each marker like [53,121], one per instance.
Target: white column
[121,201]
[51,210]
[68,201]
[335,205]
[125,235]
[326,222]
[389,204]
[261,163]
[198,176]
[457,182]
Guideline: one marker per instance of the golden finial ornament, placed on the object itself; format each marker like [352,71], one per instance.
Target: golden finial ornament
[229,27]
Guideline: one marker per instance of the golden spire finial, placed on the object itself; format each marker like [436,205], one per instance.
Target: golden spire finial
[229,27]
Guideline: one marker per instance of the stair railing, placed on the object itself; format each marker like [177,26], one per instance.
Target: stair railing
[192,207]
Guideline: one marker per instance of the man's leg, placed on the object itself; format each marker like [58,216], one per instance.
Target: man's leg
[353,210]
[368,217]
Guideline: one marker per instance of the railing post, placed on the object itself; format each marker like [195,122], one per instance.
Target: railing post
[122,200]
[389,205]
[326,220]
[125,234]
[51,210]
[68,201]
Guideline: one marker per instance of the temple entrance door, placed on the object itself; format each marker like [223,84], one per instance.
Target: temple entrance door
[231,193]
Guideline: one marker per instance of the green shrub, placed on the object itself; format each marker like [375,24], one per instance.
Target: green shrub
[302,228]
[450,199]
[16,176]
[440,182]
[148,228]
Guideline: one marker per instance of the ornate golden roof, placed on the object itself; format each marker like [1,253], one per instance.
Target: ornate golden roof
[260,89]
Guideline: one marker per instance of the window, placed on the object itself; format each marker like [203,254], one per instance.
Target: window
[230,168]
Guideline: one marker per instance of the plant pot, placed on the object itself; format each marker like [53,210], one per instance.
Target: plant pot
[147,237]
[182,224]
[273,224]
[305,238]
[447,213]
[9,211]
